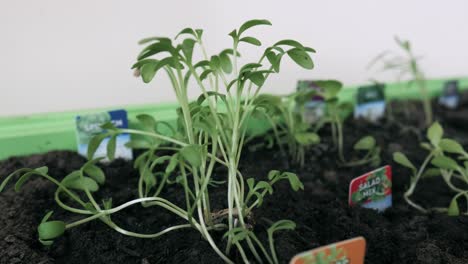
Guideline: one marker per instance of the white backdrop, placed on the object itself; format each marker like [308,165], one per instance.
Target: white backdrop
[58,55]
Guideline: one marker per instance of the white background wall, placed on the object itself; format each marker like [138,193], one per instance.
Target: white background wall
[60,55]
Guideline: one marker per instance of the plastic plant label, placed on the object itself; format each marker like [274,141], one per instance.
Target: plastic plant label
[314,109]
[351,251]
[372,190]
[370,102]
[450,97]
[87,126]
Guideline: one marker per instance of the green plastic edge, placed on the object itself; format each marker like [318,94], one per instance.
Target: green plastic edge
[40,133]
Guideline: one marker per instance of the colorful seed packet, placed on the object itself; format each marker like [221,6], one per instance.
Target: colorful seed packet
[372,190]
[370,102]
[351,251]
[87,126]
[314,109]
[450,96]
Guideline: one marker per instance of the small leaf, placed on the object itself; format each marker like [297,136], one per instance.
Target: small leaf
[282,225]
[95,172]
[275,60]
[365,143]
[82,184]
[138,144]
[226,63]
[453,209]
[290,42]
[192,154]
[205,74]
[401,159]
[434,134]
[257,78]
[294,181]
[26,176]
[432,172]
[307,138]
[444,162]
[188,31]
[51,230]
[451,146]
[148,122]
[94,144]
[301,58]
[251,40]
[252,23]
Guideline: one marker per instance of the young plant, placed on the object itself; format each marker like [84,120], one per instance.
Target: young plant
[407,65]
[285,115]
[211,130]
[454,172]
[335,117]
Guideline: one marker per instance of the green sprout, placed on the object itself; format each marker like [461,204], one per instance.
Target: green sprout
[211,131]
[285,115]
[335,117]
[440,155]
[407,65]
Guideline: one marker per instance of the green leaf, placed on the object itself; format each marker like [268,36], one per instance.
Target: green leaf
[451,146]
[331,88]
[205,74]
[81,183]
[274,59]
[249,67]
[148,122]
[444,162]
[192,154]
[434,134]
[253,23]
[95,172]
[307,138]
[149,178]
[251,40]
[257,78]
[187,48]
[301,57]
[51,230]
[173,162]
[226,63]
[94,143]
[365,143]
[188,31]
[432,172]
[111,146]
[290,42]
[281,225]
[47,216]
[203,97]
[294,181]
[453,209]
[401,159]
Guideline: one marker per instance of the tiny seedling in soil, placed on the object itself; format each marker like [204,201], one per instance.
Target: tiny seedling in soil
[445,158]
[407,65]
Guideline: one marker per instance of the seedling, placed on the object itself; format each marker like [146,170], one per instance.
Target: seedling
[334,116]
[407,65]
[454,171]
[285,115]
[211,130]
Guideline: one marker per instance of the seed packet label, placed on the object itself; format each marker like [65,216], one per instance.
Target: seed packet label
[351,251]
[88,126]
[372,190]
[370,102]
[450,97]
[314,109]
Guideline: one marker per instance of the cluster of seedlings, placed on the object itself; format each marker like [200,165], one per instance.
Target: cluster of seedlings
[212,131]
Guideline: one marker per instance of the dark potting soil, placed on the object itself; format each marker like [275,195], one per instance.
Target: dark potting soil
[321,212]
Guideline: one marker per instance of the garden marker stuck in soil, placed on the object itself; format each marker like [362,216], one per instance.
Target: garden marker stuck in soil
[450,96]
[370,102]
[88,126]
[314,109]
[372,190]
[351,251]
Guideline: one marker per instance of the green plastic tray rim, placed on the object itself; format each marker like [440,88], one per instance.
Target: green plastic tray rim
[40,133]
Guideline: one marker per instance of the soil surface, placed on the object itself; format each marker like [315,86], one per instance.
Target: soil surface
[398,235]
